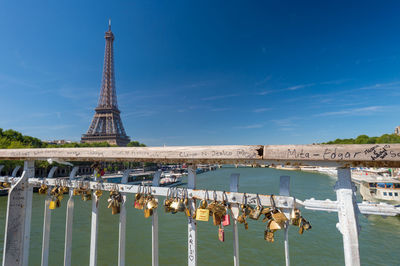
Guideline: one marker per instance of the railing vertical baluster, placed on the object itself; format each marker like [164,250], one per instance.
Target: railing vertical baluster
[154,226]
[18,220]
[234,187]
[15,171]
[284,190]
[29,167]
[122,222]
[348,224]
[69,219]
[47,222]
[94,230]
[192,225]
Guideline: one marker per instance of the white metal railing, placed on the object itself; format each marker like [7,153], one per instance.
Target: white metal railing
[16,244]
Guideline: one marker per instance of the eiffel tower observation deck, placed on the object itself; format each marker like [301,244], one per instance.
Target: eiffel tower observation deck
[107,125]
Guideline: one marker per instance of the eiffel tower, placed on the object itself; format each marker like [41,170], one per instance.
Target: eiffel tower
[107,125]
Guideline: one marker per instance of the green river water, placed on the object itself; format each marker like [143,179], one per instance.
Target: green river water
[379,237]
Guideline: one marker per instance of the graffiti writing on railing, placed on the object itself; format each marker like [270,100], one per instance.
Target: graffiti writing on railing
[376,152]
[128,153]
[191,242]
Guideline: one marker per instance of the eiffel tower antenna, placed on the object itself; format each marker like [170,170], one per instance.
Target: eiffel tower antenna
[107,125]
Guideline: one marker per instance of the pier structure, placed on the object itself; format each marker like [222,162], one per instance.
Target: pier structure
[106,125]
[16,242]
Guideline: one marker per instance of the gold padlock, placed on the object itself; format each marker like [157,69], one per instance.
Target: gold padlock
[87,196]
[148,213]
[274,225]
[52,205]
[202,215]
[295,217]
[115,209]
[269,236]
[76,192]
[279,217]
[152,203]
[42,189]
[98,193]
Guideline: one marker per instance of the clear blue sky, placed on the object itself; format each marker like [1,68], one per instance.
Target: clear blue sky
[204,72]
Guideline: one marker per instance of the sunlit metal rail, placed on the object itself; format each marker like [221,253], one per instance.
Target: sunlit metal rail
[16,244]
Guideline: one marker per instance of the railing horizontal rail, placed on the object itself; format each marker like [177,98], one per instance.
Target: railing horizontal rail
[324,155]
[231,197]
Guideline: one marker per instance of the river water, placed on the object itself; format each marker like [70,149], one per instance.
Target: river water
[322,245]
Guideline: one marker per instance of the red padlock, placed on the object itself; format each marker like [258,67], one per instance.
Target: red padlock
[226,220]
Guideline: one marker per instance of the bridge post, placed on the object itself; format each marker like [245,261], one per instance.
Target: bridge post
[347,212]
[47,222]
[122,223]
[284,190]
[94,229]
[192,225]
[69,219]
[154,225]
[234,187]
[18,220]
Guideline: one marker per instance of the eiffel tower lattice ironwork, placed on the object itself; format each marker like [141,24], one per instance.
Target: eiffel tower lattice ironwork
[107,125]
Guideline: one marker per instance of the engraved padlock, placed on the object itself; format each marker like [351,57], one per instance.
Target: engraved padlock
[202,215]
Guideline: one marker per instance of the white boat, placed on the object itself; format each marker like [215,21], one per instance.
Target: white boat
[330,171]
[376,190]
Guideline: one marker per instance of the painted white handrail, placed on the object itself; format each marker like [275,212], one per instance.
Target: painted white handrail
[21,195]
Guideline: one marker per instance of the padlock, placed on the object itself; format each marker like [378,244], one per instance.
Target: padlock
[98,193]
[52,205]
[174,206]
[147,213]
[242,218]
[274,225]
[295,217]
[221,234]
[115,209]
[226,220]
[246,225]
[280,218]
[76,192]
[255,213]
[43,189]
[202,215]
[269,236]
[152,203]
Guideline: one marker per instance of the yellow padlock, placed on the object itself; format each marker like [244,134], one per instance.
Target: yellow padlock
[52,205]
[202,215]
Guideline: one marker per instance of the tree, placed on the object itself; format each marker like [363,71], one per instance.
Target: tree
[364,139]
[136,144]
